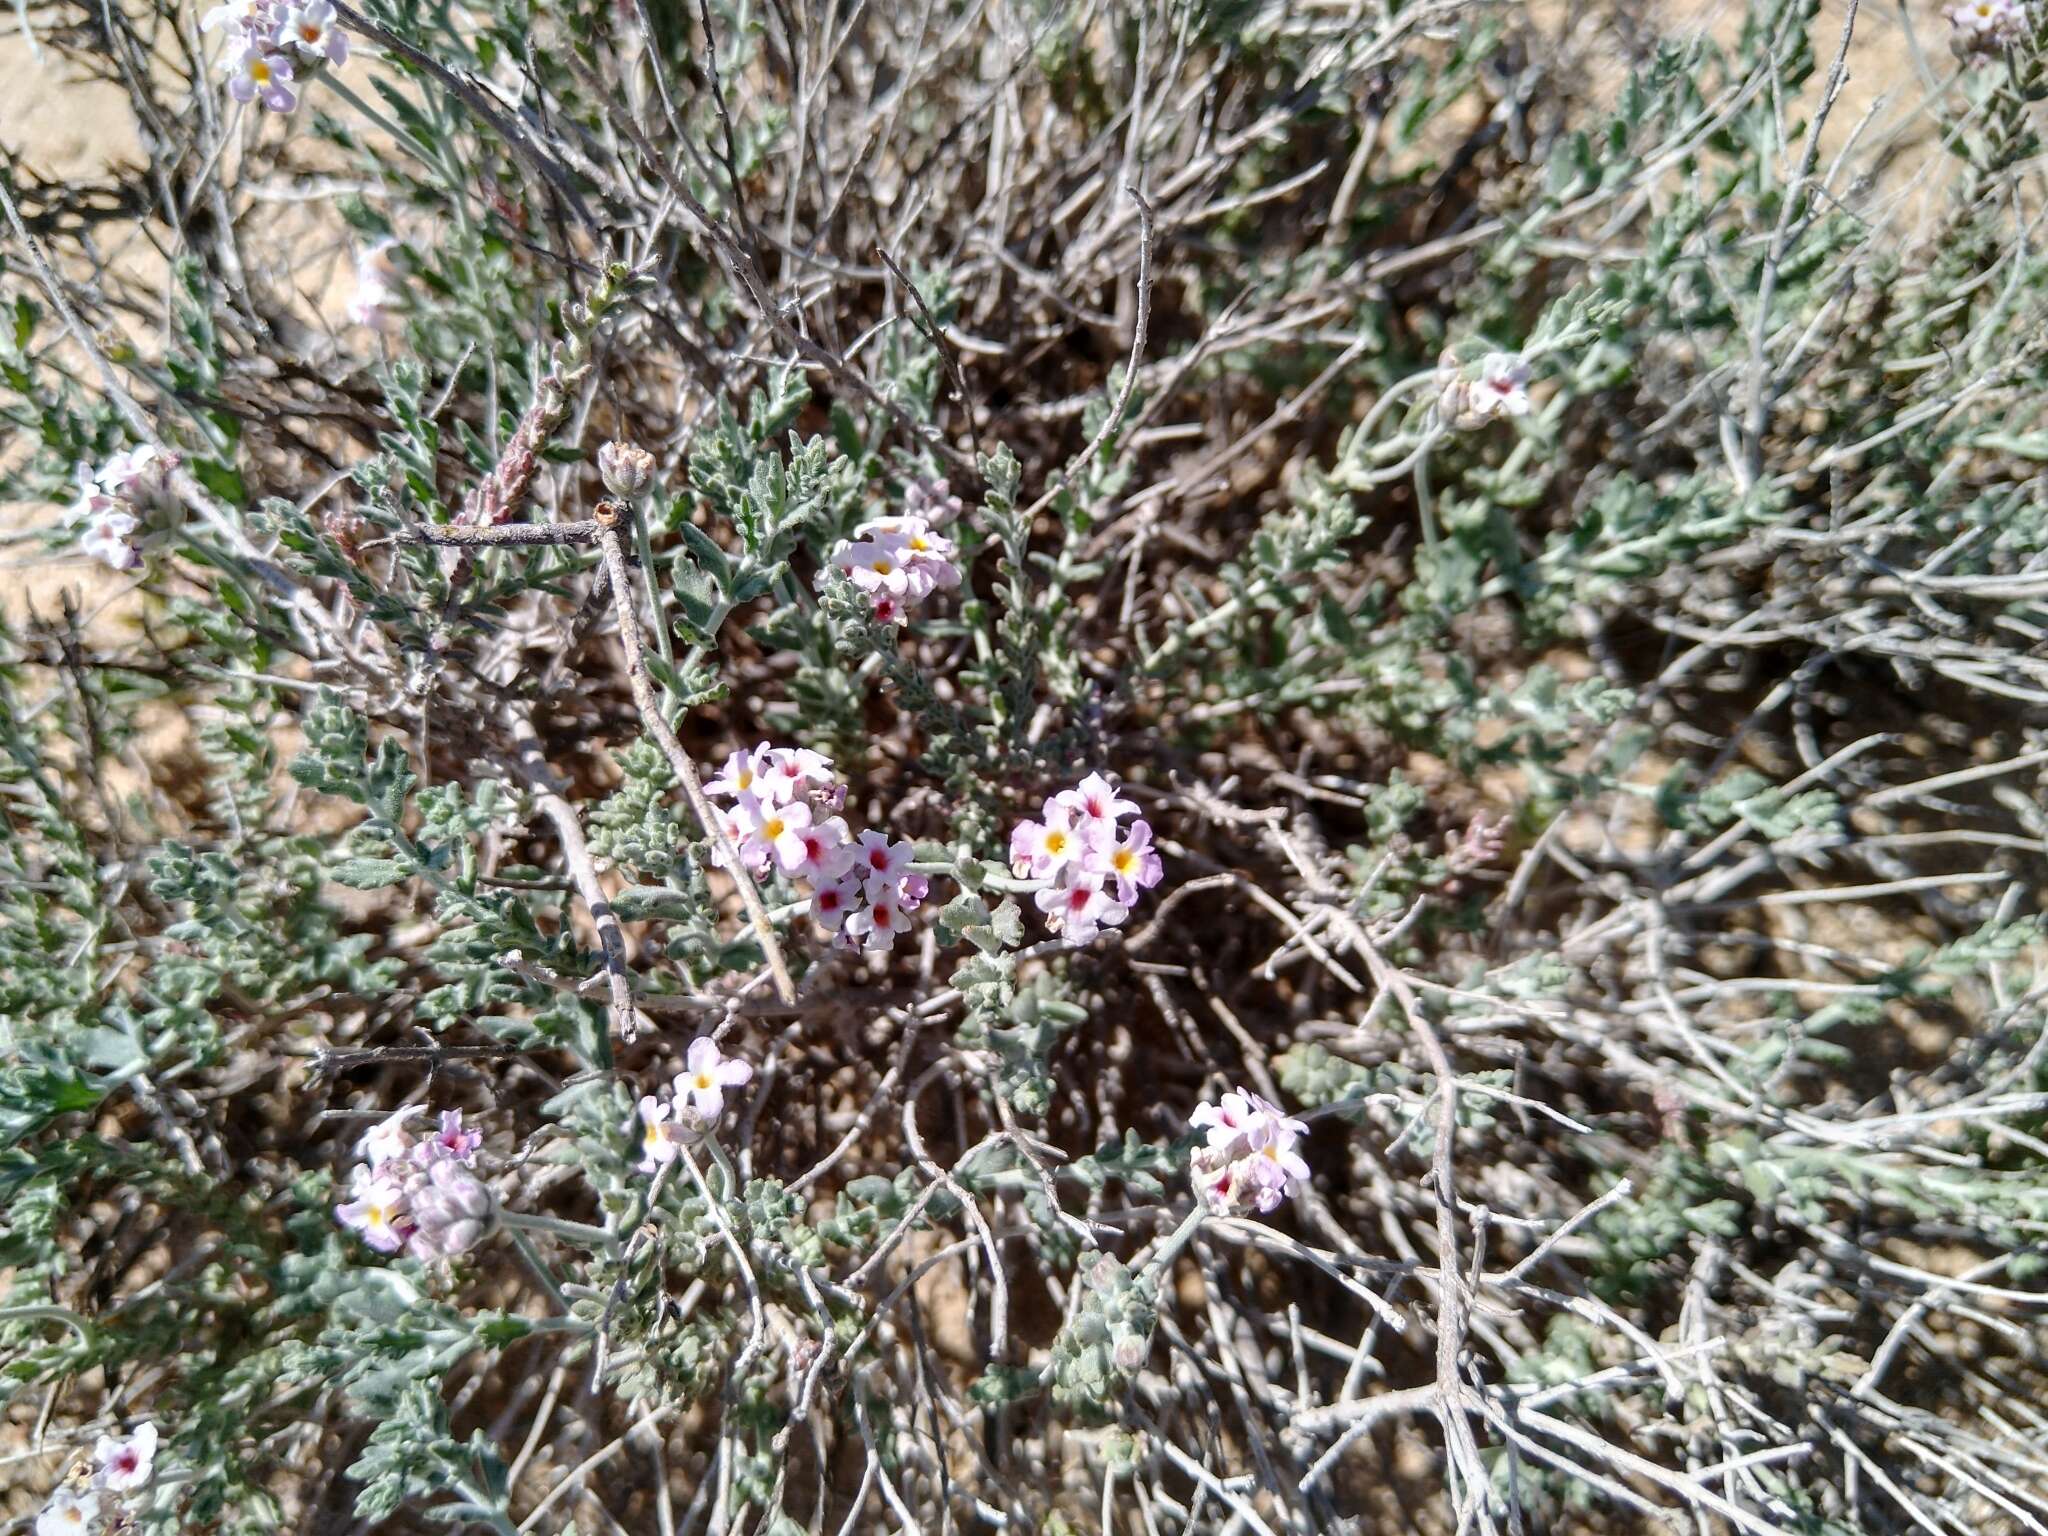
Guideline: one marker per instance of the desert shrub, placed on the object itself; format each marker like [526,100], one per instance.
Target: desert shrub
[1175,767]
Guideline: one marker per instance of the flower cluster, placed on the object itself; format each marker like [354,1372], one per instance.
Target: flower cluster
[1092,871]
[114,500]
[1501,388]
[419,1193]
[932,501]
[1982,27]
[668,1125]
[1248,1161]
[380,287]
[783,816]
[269,41]
[121,1464]
[899,561]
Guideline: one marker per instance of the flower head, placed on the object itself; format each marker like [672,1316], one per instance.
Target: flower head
[626,468]
[1980,27]
[452,1210]
[1500,388]
[931,500]
[1248,1160]
[1092,872]
[120,1463]
[897,561]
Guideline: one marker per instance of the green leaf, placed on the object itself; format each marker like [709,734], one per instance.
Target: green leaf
[368,874]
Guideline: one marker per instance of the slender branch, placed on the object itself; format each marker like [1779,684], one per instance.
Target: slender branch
[610,514]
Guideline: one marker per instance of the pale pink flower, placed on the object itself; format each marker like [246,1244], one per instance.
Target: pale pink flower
[911,890]
[121,1463]
[708,1073]
[827,850]
[1131,862]
[390,1138]
[68,1513]
[110,539]
[833,901]
[1242,1115]
[876,925]
[92,502]
[257,71]
[742,773]
[139,476]
[794,771]
[925,555]
[779,831]
[1499,388]
[1079,910]
[235,15]
[897,561]
[312,30]
[1093,804]
[662,1135]
[740,824]
[874,565]
[880,862]
[378,1212]
[451,1141]
[1041,850]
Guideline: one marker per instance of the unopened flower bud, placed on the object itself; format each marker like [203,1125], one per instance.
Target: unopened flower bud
[453,1210]
[625,468]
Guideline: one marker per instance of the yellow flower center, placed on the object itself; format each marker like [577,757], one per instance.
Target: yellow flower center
[882,567]
[310,31]
[259,71]
[1122,859]
[917,543]
[1055,842]
[703,1081]
[772,828]
[746,778]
